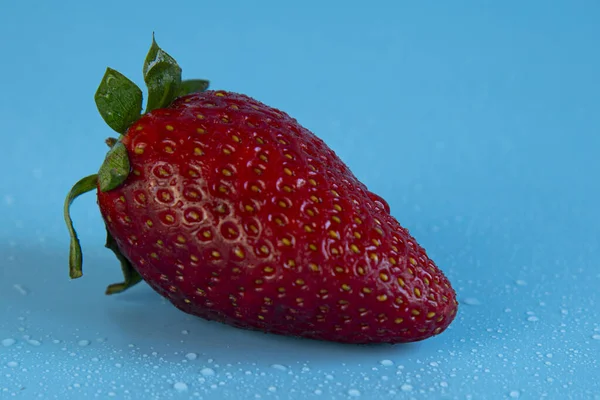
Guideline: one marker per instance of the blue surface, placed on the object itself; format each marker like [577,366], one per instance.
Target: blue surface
[478,121]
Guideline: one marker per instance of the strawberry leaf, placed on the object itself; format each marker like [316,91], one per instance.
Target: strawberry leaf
[84,185]
[115,168]
[119,100]
[193,86]
[162,75]
[130,275]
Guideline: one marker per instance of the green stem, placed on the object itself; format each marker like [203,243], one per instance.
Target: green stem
[84,185]
[130,275]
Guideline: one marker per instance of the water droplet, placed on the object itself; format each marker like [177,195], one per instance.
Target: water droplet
[184,332]
[318,391]
[434,364]
[272,389]
[207,371]
[305,369]
[532,318]
[191,356]
[329,377]
[386,363]
[444,384]
[34,342]
[520,282]
[180,386]
[21,289]
[83,343]
[406,387]
[471,301]
[515,394]
[595,337]
[8,342]
[353,393]
[279,367]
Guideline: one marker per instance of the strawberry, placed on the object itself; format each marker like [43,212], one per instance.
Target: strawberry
[236,213]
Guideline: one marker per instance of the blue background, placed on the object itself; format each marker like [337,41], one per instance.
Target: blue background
[478,121]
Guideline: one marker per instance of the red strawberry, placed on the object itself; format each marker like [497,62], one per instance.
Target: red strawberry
[236,213]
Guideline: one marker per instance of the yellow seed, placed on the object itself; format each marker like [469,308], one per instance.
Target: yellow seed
[255,188]
[392,261]
[286,241]
[264,249]
[154,255]
[220,94]
[287,189]
[398,320]
[307,228]
[346,287]
[376,242]
[415,312]
[239,252]
[235,138]
[249,208]
[136,172]
[166,196]
[314,267]
[169,218]
[300,282]
[382,297]
[200,131]
[334,234]
[335,218]
[160,243]
[358,220]
[261,317]
[138,150]
[339,269]
[287,171]
[223,189]
[226,151]
[312,246]
[367,290]
[181,239]
[258,281]
[139,128]
[337,207]
[394,248]
[169,149]
[149,223]
[357,235]
[201,292]
[127,218]
[194,258]
[263,157]
[374,257]
[312,182]
[260,141]
[206,234]
[398,300]
[417,292]
[361,270]
[268,270]
[343,302]
[412,261]
[401,282]
[187,301]
[226,172]
[384,277]
[314,198]
[122,198]
[379,230]
[199,116]
[215,254]
[169,128]
[354,248]
[430,314]
[426,281]
[291,263]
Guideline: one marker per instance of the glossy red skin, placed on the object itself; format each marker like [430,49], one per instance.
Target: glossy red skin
[250,175]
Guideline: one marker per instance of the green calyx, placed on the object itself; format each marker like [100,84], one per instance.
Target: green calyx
[119,102]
